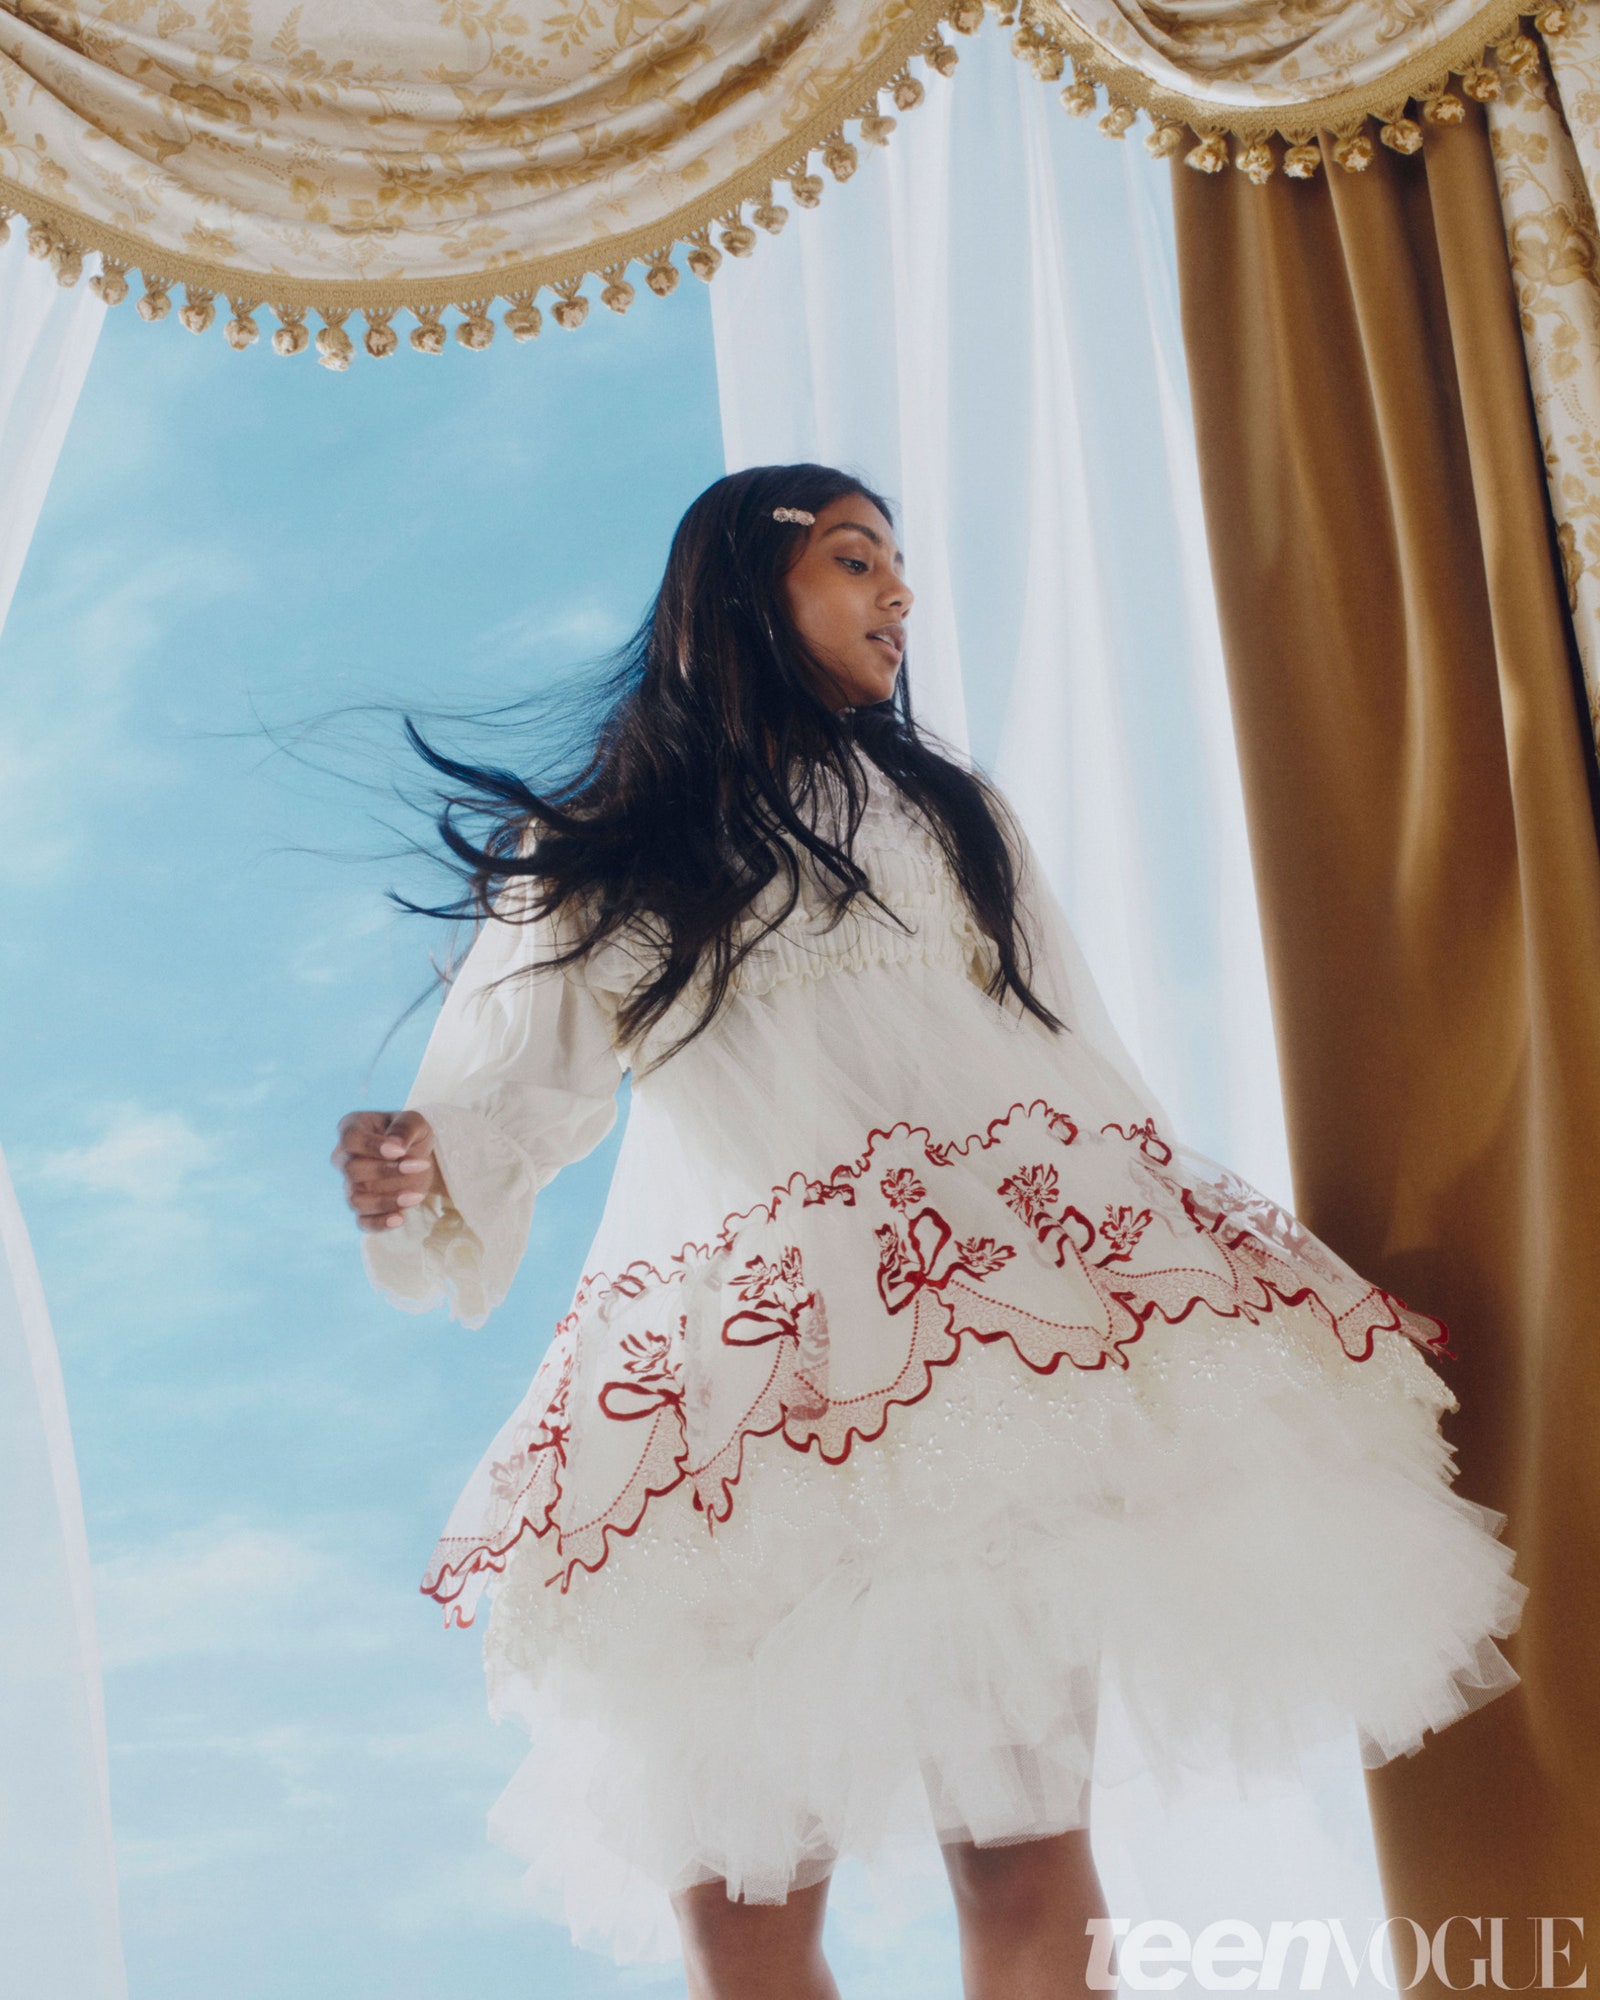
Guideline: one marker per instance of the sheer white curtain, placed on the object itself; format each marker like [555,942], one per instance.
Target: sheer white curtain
[984,324]
[58,1897]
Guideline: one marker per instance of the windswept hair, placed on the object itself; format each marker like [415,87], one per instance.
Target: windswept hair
[702,783]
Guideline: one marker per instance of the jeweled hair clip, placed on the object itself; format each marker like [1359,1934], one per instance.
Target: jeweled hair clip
[798,515]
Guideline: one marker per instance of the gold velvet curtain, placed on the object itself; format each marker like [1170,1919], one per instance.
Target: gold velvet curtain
[1419,780]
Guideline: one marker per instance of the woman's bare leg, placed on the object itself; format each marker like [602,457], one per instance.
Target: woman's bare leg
[754,1951]
[1023,1912]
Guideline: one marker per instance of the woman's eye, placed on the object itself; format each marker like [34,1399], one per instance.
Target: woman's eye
[854,564]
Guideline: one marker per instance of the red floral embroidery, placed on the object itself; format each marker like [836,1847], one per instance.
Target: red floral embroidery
[777,1305]
[914,1260]
[979,1255]
[1033,1192]
[1151,1144]
[774,1294]
[1056,1123]
[655,1379]
[731,1342]
[1122,1230]
[902,1188]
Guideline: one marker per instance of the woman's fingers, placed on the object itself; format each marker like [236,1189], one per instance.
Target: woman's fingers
[384,1157]
[378,1179]
[373,1224]
[388,1164]
[409,1135]
[361,1133]
[368,1201]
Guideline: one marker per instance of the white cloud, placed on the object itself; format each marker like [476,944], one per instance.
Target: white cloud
[459,1743]
[154,1858]
[576,632]
[470,1892]
[334,944]
[103,622]
[247,1096]
[230,1587]
[143,1156]
[457,1740]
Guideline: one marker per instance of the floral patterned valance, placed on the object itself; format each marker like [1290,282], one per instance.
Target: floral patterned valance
[419,155]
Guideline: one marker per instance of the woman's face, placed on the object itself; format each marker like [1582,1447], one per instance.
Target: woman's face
[848,598]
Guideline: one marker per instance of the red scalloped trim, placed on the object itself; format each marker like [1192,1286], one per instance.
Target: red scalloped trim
[1265,1269]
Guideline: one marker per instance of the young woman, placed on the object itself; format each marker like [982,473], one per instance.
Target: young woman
[924,1388]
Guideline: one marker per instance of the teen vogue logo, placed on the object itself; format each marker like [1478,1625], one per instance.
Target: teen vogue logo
[1229,1956]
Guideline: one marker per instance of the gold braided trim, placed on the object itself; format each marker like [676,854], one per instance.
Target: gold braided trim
[1425,76]
[1046,38]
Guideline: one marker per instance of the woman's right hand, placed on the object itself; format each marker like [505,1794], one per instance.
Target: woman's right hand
[388,1163]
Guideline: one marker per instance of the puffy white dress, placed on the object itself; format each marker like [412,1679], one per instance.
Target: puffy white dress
[923,1390]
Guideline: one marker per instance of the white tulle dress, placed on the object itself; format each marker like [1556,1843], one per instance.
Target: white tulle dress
[924,1393]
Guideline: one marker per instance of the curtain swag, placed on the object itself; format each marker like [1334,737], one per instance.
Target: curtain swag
[438,154]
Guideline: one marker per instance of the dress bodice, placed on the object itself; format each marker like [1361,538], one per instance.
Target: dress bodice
[914,913]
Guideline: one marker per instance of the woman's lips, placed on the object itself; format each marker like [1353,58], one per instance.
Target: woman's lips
[891,637]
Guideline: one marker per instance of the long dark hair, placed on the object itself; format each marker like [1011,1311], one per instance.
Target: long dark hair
[700,784]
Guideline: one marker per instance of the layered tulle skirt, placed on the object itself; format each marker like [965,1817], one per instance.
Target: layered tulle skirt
[843,1518]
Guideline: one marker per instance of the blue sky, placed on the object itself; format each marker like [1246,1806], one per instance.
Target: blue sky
[301,1762]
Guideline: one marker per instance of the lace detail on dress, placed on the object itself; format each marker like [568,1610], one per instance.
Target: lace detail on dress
[919,917]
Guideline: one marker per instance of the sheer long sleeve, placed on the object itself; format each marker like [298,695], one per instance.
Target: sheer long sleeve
[519,1077]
